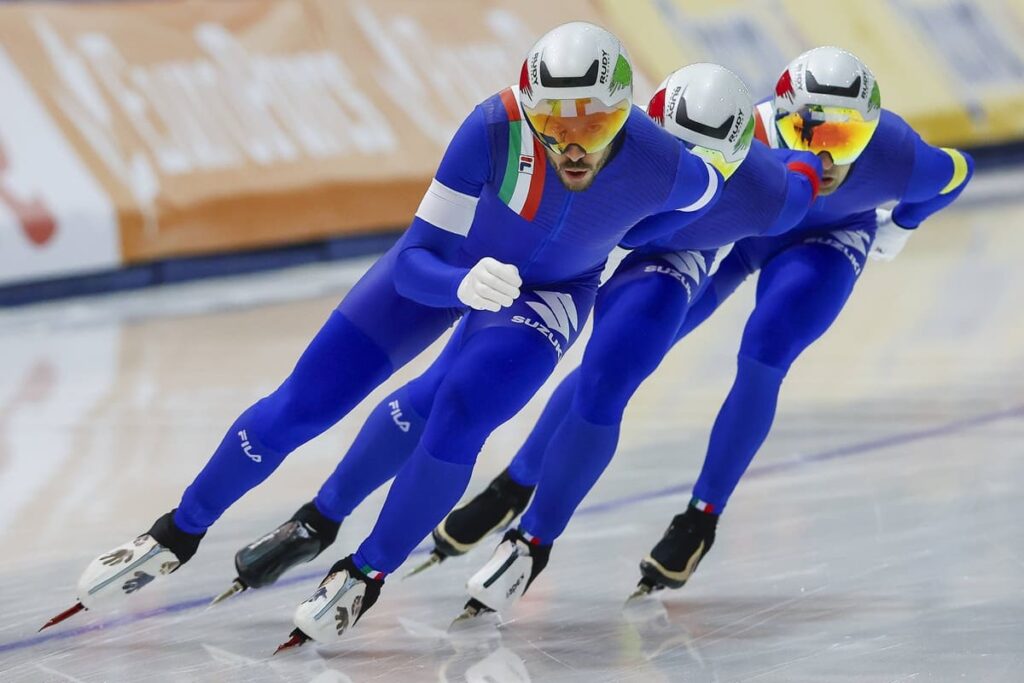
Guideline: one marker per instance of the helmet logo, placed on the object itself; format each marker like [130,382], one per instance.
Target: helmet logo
[656,107]
[876,98]
[524,82]
[746,139]
[852,90]
[605,63]
[784,88]
[622,77]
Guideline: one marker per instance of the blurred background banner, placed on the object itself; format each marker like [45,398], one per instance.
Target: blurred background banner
[953,68]
[132,132]
[136,132]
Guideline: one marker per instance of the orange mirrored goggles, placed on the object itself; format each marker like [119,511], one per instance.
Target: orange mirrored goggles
[841,132]
[586,122]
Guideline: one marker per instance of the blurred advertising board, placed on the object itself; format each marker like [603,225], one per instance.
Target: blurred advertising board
[953,68]
[133,132]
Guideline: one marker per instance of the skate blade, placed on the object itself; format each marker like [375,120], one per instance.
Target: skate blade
[234,589]
[642,591]
[69,612]
[435,558]
[296,639]
[470,616]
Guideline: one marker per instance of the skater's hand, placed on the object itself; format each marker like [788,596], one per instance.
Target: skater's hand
[490,285]
[889,239]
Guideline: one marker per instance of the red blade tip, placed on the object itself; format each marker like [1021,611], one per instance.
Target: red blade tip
[296,639]
[69,612]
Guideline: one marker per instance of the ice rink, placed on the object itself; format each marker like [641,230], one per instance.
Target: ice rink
[877,537]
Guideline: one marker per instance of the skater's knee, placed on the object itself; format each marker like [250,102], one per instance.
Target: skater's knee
[605,389]
[775,341]
[455,432]
[288,417]
[774,353]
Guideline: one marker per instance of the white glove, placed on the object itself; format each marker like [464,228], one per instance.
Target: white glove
[889,238]
[490,285]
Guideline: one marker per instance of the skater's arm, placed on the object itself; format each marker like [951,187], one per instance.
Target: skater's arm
[696,190]
[427,270]
[803,178]
[938,178]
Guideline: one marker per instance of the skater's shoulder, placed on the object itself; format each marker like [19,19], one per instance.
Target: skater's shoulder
[501,108]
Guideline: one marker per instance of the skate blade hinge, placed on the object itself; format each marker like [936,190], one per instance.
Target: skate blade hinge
[234,589]
[435,558]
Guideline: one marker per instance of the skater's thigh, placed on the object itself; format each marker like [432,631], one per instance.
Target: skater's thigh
[422,390]
[401,327]
[800,294]
[730,272]
[636,317]
[503,360]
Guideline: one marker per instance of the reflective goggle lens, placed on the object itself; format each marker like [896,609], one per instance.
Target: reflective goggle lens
[586,122]
[717,159]
[841,132]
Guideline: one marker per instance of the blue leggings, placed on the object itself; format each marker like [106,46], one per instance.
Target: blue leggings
[799,295]
[805,281]
[495,363]
[355,350]
[637,316]
[651,292]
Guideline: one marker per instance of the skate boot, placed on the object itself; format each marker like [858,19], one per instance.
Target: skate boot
[674,559]
[343,597]
[492,510]
[307,534]
[516,562]
[128,568]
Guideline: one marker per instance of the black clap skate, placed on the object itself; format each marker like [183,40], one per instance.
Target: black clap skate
[343,597]
[512,569]
[492,510]
[307,534]
[675,558]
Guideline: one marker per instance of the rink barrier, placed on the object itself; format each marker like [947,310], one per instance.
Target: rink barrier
[196,268]
[137,136]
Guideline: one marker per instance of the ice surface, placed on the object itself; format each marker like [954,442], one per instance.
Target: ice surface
[876,538]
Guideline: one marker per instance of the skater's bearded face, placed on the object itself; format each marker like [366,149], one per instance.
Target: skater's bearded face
[577,135]
[577,169]
[833,175]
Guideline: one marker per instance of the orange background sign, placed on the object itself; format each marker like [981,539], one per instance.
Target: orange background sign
[137,131]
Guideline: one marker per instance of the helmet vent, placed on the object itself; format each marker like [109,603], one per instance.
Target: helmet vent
[586,80]
[716,132]
[852,90]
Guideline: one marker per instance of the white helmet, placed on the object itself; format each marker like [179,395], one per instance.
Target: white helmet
[576,87]
[827,100]
[709,108]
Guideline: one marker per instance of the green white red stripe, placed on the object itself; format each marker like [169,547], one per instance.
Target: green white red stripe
[372,573]
[702,505]
[523,182]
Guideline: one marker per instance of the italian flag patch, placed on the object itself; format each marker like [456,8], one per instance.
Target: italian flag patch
[702,505]
[523,182]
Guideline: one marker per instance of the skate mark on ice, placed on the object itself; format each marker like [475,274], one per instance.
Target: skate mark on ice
[860,448]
